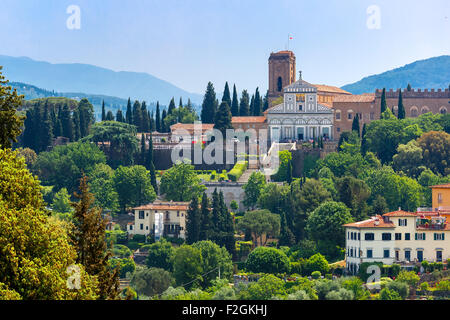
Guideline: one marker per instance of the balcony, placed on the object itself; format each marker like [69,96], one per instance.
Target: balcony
[435,223]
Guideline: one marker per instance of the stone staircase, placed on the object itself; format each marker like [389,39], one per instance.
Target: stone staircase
[246,175]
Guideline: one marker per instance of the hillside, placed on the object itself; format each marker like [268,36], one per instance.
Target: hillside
[90,79]
[432,73]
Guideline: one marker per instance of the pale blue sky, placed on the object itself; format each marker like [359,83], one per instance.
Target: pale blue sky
[189,43]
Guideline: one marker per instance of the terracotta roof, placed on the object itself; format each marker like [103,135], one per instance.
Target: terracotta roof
[164,206]
[374,222]
[332,89]
[259,119]
[354,98]
[325,104]
[191,126]
[400,213]
[444,186]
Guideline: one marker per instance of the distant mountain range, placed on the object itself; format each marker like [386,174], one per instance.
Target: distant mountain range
[432,73]
[92,80]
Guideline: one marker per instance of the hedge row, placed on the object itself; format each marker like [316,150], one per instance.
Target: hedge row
[237,171]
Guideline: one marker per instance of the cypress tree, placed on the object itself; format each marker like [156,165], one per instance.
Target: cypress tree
[54,120]
[401,107]
[257,104]
[193,222]
[67,123]
[86,116]
[137,117]
[355,125]
[226,226]
[29,136]
[158,118]
[287,238]
[103,111]
[266,101]
[216,212]
[222,121]
[364,141]
[129,114]
[163,123]
[150,164]
[383,101]
[226,94]
[119,116]
[109,116]
[235,103]
[76,125]
[209,105]
[289,172]
[46,134]
[206,231]
[252,105]
[145,118]
[244,107]
[151,122]
[180,104]
[89,238]
[171,108]
[143,151]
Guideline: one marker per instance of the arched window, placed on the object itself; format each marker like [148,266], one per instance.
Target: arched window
[424,109]
[443,110]
[414,112]
[279,84]
[338,114]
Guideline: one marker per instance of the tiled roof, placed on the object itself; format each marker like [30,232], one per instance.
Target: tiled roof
[164,206]
[332,89]
[400,213]
[191,126]
[354,98]
[444,186]
[259,119]
[374,222]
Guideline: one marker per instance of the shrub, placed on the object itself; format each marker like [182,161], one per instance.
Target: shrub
[400,287]
[443,285]
[341,294]
[424,286]
[138,238]
[409,277]
[317,263]
[237,171]
[316,274]
[387,294]
[298,295]
[267,260]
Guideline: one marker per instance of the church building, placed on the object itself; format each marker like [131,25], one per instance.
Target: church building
[300,116]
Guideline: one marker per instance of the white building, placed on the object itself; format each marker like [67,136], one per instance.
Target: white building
[300,116]
[398,237]
[147,219]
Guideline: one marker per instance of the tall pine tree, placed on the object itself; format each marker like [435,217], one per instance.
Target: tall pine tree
[355,124]
[222,120]
[244,106]
[209,105]
[235,103]
[158,118]
[150,164]
[129,113]
[226,94]
[207,225]
[257,104]
[383,101]
[103,111]
[401,107]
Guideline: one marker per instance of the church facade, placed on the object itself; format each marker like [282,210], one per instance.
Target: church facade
[300,116]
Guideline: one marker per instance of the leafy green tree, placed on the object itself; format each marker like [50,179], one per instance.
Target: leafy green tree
[67,123]
[436,151]
[87,117]
[387,294]
[354,193]
[253,188]
[133,186]
[209,105]
[181,183]
[63,166]
[151,281]
[408,159]
[214,259]
[123,265]
[317,262]
[267,260]
[36,249]
[160,255]
[118,140]
[325,226]
[10,122]
[261,224]
[268,286]
[344,164]
[188,266]
[102,186]
[61,202]
[284,158]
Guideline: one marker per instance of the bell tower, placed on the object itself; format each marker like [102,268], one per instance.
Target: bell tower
[281,73]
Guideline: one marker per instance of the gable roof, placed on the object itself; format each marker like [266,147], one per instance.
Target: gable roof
[400,213]
[374,222]
[330,89]
[443,186]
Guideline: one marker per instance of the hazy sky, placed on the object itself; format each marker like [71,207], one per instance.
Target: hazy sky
[189,43]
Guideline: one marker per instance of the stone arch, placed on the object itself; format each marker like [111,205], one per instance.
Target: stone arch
[414,111]
[443,110]
[424,109]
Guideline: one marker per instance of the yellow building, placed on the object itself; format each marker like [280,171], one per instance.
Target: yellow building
[441,199]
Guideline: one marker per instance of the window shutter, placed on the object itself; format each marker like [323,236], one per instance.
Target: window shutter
[443,236]
[416,236]
[435,236]
[423,236]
